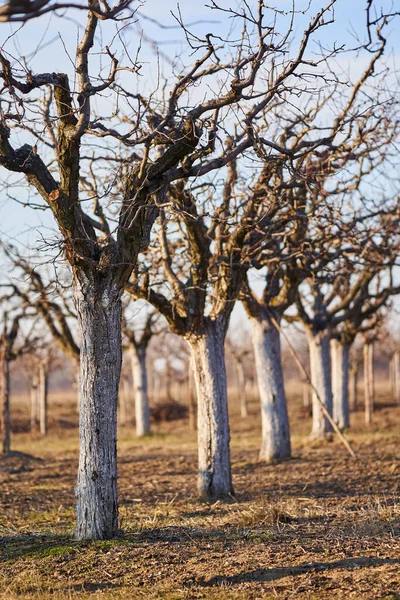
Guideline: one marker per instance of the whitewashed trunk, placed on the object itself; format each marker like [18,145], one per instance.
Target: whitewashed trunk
[340,383]
[320,364]
[369,384]
[99,317]
[34,403]
[43,395]
[208,361]
[396,376]
[241,383]
[5,402]
[353,385]
[124,414]
[157,388]
[139,375]
[191,399]
[307,398]
[275,442]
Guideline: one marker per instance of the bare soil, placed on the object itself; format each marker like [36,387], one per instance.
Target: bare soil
[319,526]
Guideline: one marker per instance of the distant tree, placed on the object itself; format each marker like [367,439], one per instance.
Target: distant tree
[138,344]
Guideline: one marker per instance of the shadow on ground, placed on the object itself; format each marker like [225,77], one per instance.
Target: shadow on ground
[264,575]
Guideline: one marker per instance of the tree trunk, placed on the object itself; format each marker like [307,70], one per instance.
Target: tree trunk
[124,405]
[157,386]
[34,403]
[392,378]
[191,399]
[307,398]
[369,386]
[167,382]
[371,376]
[396,375]
[139,374]
[275,442]
[353,387]
[208,360]
[340,383]
[99,318]
[43,395]
[241,383]
[5,403]
[320,363]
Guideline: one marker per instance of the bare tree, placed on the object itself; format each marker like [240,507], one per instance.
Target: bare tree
[10,351]
[240,351]
[138,345]
[20,11]
[167,150]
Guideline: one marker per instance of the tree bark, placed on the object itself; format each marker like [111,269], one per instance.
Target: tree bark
[191,399]
[5,403]
[241,383]
[34,403]
[275,442]
[98,308]
[157,387]
[353,400]
[43,396]
[307,398]
[320,363]
[396,376]
[139,374]
[340,383]
[124,413]
[208,360]
[369,391]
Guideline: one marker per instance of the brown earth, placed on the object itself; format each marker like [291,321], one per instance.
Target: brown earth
[320,526]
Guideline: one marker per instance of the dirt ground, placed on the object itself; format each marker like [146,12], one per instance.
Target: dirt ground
[319,526]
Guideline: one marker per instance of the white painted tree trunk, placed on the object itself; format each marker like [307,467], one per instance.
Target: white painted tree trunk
[99,317]
[396,375]
[5,404]
[307,398]
[320,364]
[157,388]
[369,384]
[191,398]
[43,396]
[275,442]
[353,400]
[340,383]
[139,375]
[124,413]
[208,361]
[34,403]
[241,383]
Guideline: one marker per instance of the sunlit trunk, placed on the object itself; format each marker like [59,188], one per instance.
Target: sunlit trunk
[5,402]
[396,376]
[320,363]
[139,375]
[275,442]
[353,389]
[43,397]
[34,402]
[99,316]
[191,399]
[340,383]
[369,384]
[208,360]
[241,383]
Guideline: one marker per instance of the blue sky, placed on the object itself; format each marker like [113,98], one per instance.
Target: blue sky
[55,38]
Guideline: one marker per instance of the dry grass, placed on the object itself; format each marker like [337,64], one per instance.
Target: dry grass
[319,526]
